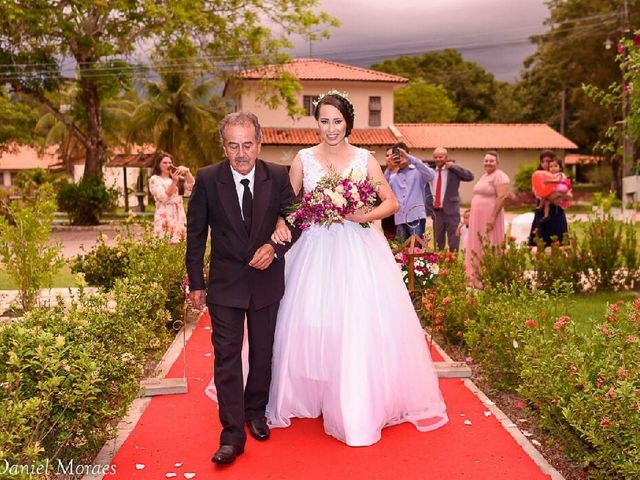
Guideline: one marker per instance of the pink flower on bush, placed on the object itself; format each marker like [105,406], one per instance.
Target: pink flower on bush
[458,333]
[469,360]
[623,373]
[612,318]
[614,308]
[605,422]
[636,304]
[611,393]
[632,339]
[531,323]
[562,322]
[600,381]
[446,301]
[438,328]
[519,405]
[606,331]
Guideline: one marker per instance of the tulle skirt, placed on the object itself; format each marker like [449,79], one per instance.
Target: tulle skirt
[348,343]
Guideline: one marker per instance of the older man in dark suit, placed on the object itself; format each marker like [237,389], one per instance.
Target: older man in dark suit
[240,200]
[443,198]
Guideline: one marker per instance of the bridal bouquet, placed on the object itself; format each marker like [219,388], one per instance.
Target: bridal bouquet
[333,198]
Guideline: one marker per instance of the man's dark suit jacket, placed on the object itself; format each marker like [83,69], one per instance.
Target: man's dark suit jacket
[451,202]
[214,204]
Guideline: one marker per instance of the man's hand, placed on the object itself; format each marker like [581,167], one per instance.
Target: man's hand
[392,163]
[263,257]
[197,298]
[449,164]
[281,234]
[403,161]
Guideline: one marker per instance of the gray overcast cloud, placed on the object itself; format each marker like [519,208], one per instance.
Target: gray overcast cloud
[494,33]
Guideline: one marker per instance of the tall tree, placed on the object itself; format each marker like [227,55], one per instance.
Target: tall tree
[18,121]
[421,102]
[472,89]
[578,48]
[180,113]
[39,38]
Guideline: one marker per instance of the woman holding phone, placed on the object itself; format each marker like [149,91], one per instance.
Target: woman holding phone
[164,184]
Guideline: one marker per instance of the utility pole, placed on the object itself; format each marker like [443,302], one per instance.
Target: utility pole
[627,143]
[563,96]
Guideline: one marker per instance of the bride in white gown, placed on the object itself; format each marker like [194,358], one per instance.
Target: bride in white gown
[348,343]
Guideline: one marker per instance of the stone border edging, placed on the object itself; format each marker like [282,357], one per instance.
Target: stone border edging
[507,424]
[139,405]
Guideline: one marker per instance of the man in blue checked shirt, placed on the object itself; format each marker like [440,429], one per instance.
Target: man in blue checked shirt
[408,176]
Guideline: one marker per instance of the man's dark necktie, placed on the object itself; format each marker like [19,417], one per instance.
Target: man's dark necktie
[247,204]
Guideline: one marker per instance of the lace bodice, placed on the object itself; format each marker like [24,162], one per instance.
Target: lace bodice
[313,171]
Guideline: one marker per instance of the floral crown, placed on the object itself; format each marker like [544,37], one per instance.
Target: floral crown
[336,93]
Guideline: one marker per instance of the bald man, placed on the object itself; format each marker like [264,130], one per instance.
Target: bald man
[443,199]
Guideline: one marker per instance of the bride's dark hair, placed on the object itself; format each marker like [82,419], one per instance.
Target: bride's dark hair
[343,105]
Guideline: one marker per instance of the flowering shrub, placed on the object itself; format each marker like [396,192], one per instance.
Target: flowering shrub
[505,263]
[333,198]
[68,374]
[585,382]
[498,328]
[558,262]
[446,307]
[143,257]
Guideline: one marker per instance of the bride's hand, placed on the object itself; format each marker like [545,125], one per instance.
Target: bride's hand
[359,216]
[281,234]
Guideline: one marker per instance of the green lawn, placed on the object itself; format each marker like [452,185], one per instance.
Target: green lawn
[63,279]
[591,308]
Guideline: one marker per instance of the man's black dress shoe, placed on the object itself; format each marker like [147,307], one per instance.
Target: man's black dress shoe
[226,454]
[258,429]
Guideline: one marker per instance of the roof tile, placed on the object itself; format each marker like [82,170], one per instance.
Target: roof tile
[320,69]
[309,136]
[483,135]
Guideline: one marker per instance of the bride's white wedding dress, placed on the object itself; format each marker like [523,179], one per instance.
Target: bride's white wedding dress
[348,343]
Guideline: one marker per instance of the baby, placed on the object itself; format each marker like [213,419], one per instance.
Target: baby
[463,229]
[562,187]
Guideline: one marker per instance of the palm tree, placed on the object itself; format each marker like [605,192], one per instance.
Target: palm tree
[180,116]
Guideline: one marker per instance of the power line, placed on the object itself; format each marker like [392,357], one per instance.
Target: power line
[206,62]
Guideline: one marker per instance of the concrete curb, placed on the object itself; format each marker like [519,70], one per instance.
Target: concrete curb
[508,424]
[139,405]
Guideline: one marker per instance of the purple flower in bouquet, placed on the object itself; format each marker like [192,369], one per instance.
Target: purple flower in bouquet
[333,198]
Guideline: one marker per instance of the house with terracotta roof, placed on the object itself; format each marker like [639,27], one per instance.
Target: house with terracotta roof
[516,143]
[18,158]
[371,93]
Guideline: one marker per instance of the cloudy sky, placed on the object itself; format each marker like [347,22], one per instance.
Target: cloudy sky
[494,33]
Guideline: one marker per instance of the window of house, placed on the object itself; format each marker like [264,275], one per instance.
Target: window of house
[375,112]
[307,104]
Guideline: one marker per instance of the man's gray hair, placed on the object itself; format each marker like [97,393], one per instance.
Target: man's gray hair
[240,118]
[440,150]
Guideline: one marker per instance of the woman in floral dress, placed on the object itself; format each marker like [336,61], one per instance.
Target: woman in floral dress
[169,220]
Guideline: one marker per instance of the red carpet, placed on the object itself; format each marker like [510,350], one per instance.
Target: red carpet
[185,429]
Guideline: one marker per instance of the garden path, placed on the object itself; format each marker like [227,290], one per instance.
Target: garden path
[175,436]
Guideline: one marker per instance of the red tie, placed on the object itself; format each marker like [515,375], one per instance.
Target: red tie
[436,202]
